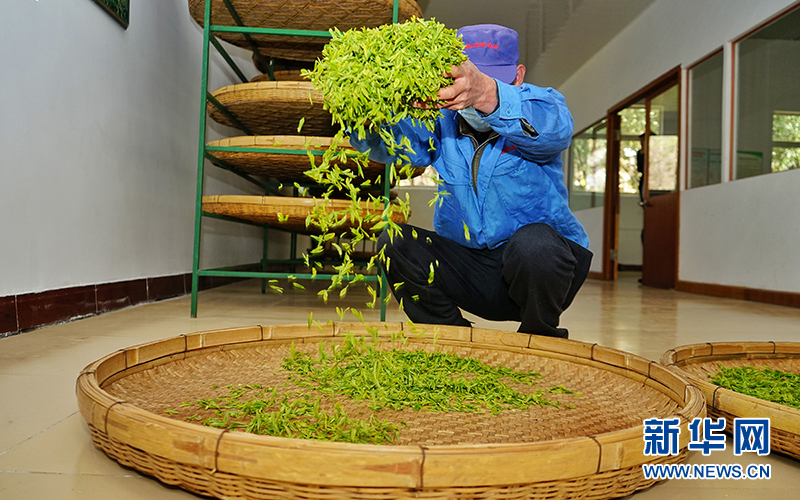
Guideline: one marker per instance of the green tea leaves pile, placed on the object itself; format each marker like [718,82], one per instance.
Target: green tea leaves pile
[255,409]
[399,379]
[385,379]
[770,385]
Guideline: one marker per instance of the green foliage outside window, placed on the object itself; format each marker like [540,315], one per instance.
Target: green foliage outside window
[786,142]
[589,162]
[633,121]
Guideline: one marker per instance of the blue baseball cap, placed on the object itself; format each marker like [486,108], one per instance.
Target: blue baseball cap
[493,49]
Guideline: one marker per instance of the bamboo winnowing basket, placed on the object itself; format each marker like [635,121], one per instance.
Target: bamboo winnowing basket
[274,108]
[290,214]
[699,362]
[313,15]
[292,167]
[594,451]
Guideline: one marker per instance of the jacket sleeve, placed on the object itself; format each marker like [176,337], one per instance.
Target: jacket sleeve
[536,120]
[420,148]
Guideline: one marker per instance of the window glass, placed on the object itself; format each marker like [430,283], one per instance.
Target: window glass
[588,168]
[663,145]
[428,179]
[633,121]
[705,83]
[768,99]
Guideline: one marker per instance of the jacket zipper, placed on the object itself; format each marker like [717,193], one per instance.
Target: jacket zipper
[465,129]
[476,158]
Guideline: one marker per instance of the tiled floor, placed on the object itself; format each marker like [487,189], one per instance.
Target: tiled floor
[45,446]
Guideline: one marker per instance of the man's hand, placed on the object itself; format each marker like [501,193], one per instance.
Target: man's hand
[470,88]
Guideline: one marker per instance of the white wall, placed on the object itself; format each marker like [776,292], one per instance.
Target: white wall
[734,233]
[631,222]
[98,133]
[743,233]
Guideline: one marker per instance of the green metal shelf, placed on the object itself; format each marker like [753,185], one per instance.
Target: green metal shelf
[206,153]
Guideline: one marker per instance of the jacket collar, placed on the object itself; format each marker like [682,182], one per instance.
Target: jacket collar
[464,128]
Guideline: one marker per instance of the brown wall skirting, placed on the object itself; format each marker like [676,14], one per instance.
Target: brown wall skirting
[790,299]
[19,313]
[595,275]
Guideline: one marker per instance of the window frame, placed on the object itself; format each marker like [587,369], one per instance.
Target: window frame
[734,68]
[689,110]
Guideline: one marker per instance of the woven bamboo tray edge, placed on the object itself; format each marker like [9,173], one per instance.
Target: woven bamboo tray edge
[211,482]
[268,85]
[407,9]
[284,142]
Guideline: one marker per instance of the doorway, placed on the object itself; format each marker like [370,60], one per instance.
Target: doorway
[641,216]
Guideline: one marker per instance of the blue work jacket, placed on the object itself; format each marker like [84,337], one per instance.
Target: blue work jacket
[513,179]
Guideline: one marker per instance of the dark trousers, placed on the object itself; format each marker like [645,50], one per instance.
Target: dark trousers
[532,278]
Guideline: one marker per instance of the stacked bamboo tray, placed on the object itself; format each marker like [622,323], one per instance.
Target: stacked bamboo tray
[593,451]
[312,15]
[274,108]
[280,163]
[700,362]
[291,214]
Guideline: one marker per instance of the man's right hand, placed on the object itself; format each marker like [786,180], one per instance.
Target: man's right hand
[470,89]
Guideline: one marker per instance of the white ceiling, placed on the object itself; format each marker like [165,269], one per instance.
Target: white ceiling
[556,36]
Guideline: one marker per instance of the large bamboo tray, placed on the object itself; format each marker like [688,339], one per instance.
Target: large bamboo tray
[315,15]
[291,167]
[265,210]
[701,361]
[268,108]
[594,451]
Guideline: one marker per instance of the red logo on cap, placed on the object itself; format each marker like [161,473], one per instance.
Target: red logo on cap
[477,45]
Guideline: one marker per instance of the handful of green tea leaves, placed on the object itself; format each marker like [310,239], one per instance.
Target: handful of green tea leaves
[770,385]
[371,78]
